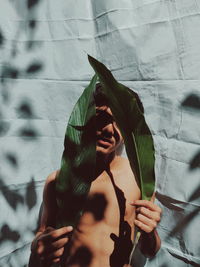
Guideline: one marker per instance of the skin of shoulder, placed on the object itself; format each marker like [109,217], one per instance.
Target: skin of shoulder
[122,165]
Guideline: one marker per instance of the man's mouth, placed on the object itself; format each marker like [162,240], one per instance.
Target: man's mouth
[103,141]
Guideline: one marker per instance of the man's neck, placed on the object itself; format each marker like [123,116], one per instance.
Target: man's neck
[104,162]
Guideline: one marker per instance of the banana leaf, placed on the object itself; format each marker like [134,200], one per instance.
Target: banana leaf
[78,159]
[128,114]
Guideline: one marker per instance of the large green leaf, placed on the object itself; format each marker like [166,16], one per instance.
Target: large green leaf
[131,122]
[78,160]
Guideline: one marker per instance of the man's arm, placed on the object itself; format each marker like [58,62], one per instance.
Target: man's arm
[48,244]
[147,217]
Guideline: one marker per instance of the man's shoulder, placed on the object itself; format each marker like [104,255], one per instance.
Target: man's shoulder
[128,185]
[123,162]
[49,186]
[123,159]
[52,176]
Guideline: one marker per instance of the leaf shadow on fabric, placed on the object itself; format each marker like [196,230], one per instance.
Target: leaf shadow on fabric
[192,101]
[195,162]
[13,198]
[184,222]
[12,159]
[31,196]
[195,195]
[25,110]
[173,204]
[8,235]
[186,262]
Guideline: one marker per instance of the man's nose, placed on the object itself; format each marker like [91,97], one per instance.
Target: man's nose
[108,130]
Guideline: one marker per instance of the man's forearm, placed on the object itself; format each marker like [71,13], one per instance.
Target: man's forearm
[149,243]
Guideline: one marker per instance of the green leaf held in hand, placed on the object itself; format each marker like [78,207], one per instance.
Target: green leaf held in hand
[129,117]
[78,160]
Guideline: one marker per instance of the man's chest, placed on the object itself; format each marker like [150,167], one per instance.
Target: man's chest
[109,201]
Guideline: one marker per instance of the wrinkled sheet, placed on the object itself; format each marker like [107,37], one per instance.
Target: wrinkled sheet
[152,46]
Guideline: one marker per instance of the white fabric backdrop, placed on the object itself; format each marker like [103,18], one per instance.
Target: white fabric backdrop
[152,46]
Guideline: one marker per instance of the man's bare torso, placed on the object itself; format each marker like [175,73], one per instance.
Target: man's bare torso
[106,229]
[104,235]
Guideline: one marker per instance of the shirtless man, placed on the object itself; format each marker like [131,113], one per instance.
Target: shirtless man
[105,233]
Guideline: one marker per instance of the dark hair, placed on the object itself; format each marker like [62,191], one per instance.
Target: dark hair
[101,99]
[99,96]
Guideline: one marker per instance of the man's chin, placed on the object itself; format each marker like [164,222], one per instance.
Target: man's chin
[100,150]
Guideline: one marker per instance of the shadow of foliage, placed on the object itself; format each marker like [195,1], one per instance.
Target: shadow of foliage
[1,39]
[172,204]
[195,162]
[186,262]
[169,202]
[192,101]
[11,197]
[28,134]
[8,234]
[32,23]
[4,127]
[9,72]
[82,257]
[12,159]
[31,196]
[184,222]
[24,110]
[96,204]
[122,243]
[32,3]
[195,195]
[34,67]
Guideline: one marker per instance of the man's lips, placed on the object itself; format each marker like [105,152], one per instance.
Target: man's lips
[104,141]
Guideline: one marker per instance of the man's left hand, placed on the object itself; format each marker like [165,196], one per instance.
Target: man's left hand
[148,215]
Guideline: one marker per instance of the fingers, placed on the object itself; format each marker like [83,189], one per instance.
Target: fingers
[55,234]
[148,213]
[50,244]
[55,255]
[47,249]
[145,223]
[143,226]
[148,204]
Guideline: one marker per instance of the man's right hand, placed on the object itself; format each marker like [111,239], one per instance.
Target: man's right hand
[49,245]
